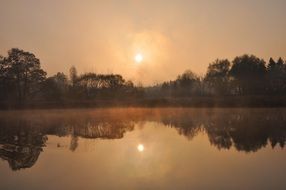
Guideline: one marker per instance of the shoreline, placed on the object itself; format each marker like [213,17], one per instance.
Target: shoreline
[194,102]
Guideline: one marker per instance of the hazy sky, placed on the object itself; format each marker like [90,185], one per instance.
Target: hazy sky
[103,36]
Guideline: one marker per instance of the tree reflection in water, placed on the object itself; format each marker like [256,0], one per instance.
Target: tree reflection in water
[23,136]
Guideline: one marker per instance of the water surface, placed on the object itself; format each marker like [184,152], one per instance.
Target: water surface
[143,149]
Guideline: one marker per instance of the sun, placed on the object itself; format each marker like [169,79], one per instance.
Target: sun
[138,58]
[140,147]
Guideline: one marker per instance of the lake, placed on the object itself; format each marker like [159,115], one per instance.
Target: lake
[133,148]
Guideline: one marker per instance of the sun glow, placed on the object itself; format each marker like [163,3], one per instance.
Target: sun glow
[140,147]
[138,58]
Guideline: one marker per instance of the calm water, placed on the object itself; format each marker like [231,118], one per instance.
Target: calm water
[143,149]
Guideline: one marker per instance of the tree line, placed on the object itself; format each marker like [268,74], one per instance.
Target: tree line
[245,75]
[23,81]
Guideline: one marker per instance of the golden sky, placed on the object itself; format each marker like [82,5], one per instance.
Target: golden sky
[104,36]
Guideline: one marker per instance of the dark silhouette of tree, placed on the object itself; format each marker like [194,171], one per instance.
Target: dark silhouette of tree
[187,80]
[271,64]
[93,85]
[276,76]
[24,73]
[217,77]
[73,76]
[55,88]
[187,84]
[249,73]
[3,79]
[280,62]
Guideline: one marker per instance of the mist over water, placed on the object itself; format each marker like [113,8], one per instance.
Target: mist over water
[137,148]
